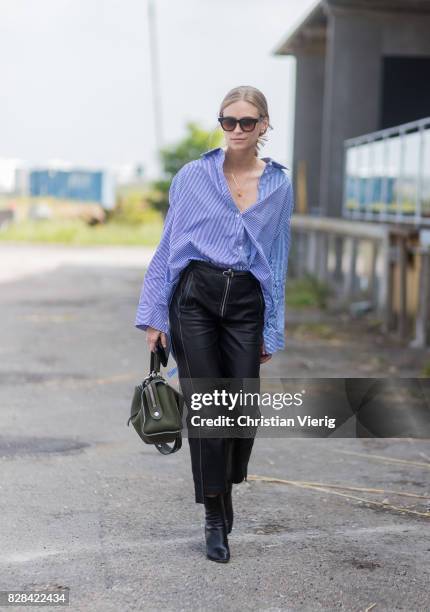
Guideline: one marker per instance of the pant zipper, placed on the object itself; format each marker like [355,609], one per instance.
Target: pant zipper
[229,273]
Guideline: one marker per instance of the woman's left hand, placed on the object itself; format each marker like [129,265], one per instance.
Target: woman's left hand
[264,356]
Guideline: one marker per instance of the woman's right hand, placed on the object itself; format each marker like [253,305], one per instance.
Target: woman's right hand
[263,355]
[152,336]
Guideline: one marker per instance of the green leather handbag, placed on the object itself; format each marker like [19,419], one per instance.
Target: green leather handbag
[156,411]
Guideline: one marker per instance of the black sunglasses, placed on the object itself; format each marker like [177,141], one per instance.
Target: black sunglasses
[247,124]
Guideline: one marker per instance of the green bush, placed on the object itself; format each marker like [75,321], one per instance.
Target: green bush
[132,207]
[307,291]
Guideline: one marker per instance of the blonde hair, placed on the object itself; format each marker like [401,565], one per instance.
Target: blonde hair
[255,97]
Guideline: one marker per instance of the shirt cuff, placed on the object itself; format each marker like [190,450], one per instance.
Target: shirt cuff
[274,334]
[156,319]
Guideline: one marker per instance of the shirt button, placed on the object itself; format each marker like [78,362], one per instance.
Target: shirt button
[237,215]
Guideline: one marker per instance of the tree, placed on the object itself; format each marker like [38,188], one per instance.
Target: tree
[196,142]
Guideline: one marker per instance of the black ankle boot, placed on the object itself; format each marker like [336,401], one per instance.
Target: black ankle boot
[216,529]
[228,505]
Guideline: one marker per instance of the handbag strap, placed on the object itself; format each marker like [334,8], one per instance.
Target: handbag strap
[165,449]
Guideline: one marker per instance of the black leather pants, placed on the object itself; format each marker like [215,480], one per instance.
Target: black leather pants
[216,327]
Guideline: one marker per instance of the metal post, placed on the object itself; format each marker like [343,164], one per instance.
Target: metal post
[422,339]
[401,240]
[312,251]
[350,277]
[372,273]
[386,284]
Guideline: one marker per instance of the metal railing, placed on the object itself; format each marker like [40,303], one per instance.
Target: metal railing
[387,175]
[369,264]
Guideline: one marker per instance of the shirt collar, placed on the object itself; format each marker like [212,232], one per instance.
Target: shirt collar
[217,156]
[219,151]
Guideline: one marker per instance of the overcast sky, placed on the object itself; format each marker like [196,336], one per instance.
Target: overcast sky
[76,74]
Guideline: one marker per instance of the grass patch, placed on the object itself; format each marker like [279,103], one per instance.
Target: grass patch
[315,330]
[426,369]
[77,232]
[307,292]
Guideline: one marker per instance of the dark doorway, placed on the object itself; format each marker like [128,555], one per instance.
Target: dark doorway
[405,90]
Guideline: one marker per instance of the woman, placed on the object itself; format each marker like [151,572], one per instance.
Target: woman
[214,290]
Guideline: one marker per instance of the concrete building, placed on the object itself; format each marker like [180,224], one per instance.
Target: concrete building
[362,65]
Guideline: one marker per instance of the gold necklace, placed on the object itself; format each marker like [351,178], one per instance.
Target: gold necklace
[239,194]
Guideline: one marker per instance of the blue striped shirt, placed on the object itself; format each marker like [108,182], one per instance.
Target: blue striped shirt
[203,222]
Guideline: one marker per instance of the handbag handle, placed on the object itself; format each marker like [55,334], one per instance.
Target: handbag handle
[155,362]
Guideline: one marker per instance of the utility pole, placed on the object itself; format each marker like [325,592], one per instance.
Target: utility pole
[156,96]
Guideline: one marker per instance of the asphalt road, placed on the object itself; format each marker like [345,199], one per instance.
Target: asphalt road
[88,507]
